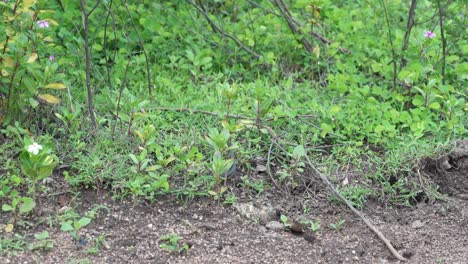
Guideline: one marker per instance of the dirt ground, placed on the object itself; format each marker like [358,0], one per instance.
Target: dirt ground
[250,231]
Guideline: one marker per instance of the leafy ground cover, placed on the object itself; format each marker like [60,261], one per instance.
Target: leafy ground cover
[113,109]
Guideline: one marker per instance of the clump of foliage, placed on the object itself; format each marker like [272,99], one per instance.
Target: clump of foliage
[145,105]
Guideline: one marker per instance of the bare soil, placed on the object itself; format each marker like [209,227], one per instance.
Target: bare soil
[249,230]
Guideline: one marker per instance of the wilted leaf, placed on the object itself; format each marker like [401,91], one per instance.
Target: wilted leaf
[8,62]
[28,3]
[32,58]
[48,98]
[55,86]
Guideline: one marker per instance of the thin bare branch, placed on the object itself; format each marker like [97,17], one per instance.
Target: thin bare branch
[409,27]
[355,211]
[216,29]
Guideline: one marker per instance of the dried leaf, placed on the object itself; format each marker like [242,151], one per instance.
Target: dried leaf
[9,228]
[55,86]
[48,98]
[32,58]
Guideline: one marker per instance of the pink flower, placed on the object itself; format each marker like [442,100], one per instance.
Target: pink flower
[43,23]
[429,34]
[51,57]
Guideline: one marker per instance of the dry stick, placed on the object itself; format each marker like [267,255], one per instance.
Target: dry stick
[442,39]
[85,20]
[109,67]
[283,8]
[354,210]
[216,29]
[350,206]
[295,27]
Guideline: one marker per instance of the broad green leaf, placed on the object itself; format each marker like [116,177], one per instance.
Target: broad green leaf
[299,151]
[27,205]
[66,226]
[82,222]
[48,98]
[6,208]
[41,236]
[434,105]
[55,86]
[418,100]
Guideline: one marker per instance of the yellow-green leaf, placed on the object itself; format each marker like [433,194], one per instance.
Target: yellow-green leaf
[48,98]
[27,4]
[32,58]
[9,228]
[55,86]
[52,22]
[140,135]
[8,62]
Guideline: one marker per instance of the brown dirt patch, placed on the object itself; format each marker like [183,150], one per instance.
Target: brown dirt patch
[430,232]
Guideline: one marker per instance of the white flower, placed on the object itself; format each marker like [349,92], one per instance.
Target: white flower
[34,148]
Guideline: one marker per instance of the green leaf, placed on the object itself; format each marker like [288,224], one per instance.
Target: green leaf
[133,158]
[434,105]
[66,226]
[41,236]
[418,100]
[6,208]
[27,205]
[82,222]
[299,151]
[34,103]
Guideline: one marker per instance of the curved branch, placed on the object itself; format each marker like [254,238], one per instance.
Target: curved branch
[216,29]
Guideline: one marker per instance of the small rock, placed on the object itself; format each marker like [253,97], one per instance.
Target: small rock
[262,229]
[262,214]
[260,168]
[105,245]
[274,225]
[150,226]
[63,209]
[417,224]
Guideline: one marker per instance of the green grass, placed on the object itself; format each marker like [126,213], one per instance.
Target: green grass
[342,107]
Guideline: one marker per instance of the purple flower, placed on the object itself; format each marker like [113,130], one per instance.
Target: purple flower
[51,57]
[429,34]
[43,23]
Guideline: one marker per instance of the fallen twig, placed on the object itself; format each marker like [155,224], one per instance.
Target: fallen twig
[354,210]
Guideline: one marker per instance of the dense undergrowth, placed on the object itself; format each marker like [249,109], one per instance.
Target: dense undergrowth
[179,88]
